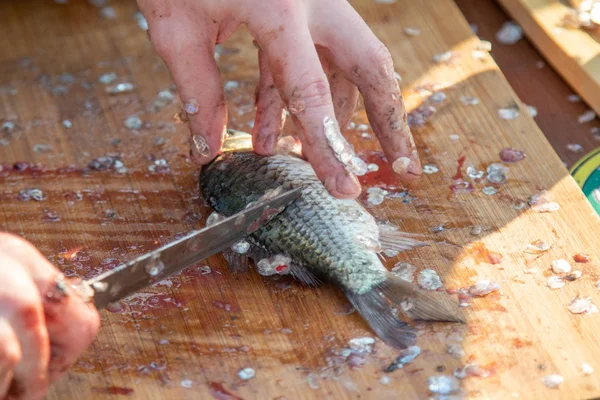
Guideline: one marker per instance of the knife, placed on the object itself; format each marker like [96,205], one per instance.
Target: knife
[174,257]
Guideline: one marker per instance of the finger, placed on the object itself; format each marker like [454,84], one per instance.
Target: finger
[303,86]
[270,115]
[72,326]
[369,65]
[344,93]
[345,96]
[10,355]
[185,41]
[70,323]
[21,306]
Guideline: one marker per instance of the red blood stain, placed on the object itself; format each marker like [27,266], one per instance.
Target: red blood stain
[581,258]
[461,163]
[384,177]
[114,390]
[219,392]
[480,254]
[281,268]
[518,343]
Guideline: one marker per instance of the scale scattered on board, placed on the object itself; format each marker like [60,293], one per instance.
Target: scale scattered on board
[586,173]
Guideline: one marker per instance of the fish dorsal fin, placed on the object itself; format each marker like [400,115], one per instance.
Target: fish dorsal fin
[393,239]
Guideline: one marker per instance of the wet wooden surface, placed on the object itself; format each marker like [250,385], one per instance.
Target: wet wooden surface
[536,83]
[181,330]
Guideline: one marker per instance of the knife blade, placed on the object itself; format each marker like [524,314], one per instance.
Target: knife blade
[174,257]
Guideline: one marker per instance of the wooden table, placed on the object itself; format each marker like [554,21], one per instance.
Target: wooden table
[575,53]
[179,331]
[536,82]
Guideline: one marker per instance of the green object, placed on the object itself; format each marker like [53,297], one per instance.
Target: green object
[586,173]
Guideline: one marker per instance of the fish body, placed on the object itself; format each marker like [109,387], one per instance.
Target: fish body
[327,238]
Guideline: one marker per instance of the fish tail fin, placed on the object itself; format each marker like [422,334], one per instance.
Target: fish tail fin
[381,317]
[378,307]
[418,304]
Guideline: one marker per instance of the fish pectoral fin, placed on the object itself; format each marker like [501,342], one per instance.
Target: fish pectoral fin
[240,262]
[396,240]
[304,275]
[237,263]
[298,271]
[380,316]
[420,305]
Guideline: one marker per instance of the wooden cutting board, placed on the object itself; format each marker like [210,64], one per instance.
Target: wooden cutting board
[188,337]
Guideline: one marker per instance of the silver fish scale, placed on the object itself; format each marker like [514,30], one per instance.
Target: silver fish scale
[317,231]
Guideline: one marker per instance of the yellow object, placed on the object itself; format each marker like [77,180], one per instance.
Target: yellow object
[586,173]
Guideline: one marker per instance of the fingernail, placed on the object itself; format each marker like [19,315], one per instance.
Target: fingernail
[201,145]
[401,165]
[347,184]
[269,144]
[415,163]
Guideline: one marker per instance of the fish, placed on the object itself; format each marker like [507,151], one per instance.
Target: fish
[319,238]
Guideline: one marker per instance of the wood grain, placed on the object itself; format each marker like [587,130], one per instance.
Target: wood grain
[574,53]
[536,85]
[178,331]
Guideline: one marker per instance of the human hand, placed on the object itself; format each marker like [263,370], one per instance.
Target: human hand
[314,56]
[44,327]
